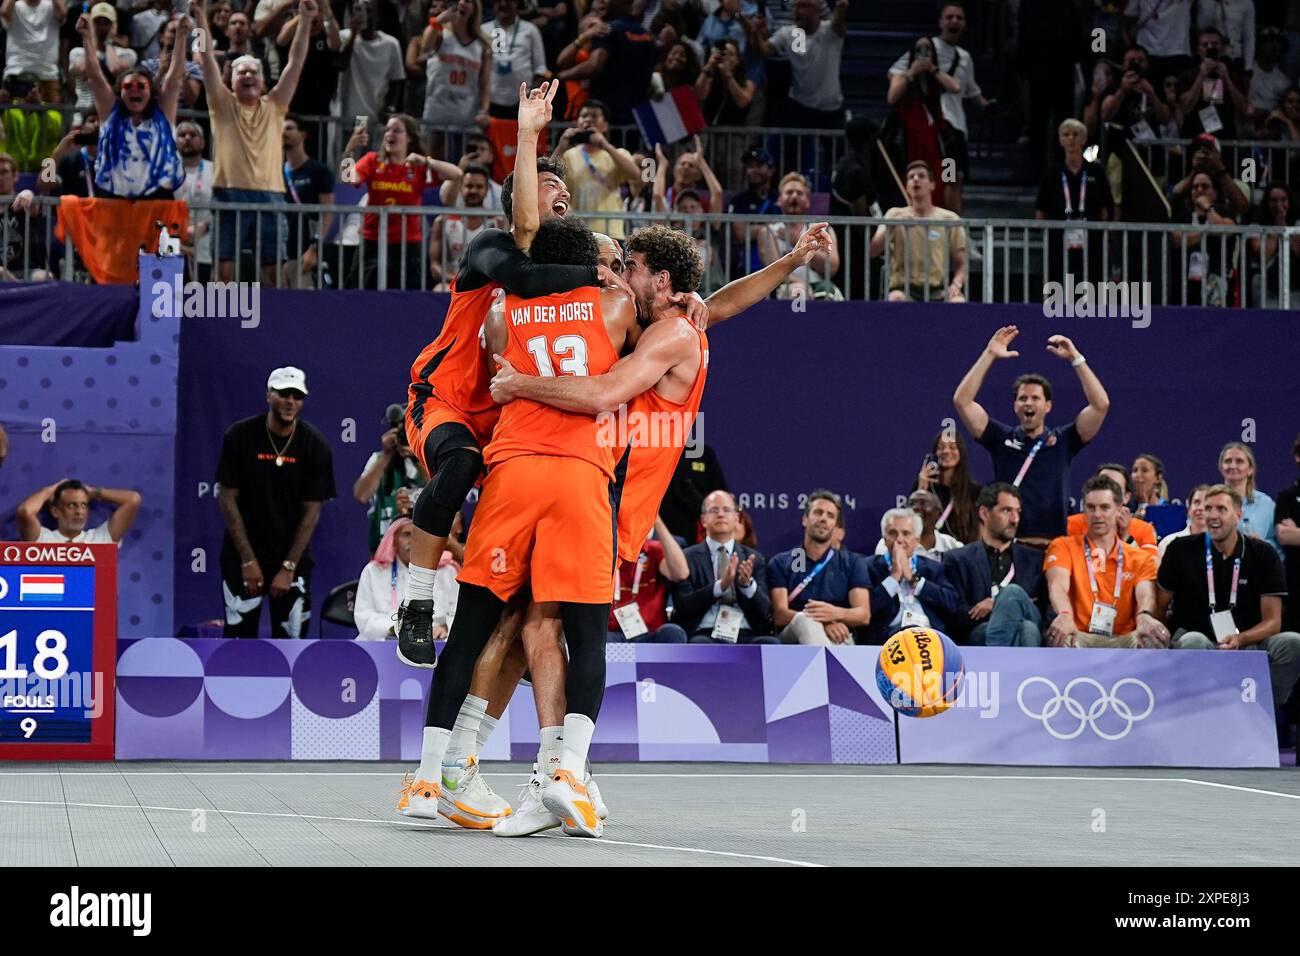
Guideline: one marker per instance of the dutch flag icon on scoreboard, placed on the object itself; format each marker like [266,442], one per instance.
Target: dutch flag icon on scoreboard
[41,587]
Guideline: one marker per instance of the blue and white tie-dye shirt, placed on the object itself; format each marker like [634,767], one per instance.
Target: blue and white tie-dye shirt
[135,161]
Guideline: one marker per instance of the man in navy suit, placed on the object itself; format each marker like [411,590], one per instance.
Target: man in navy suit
[725,600]
[907,590]
[999,581]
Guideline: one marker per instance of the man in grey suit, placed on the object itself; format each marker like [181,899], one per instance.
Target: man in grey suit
[725,600]
[999,582]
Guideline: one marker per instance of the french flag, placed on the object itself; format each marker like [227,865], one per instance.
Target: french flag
[40,587]
[670,118]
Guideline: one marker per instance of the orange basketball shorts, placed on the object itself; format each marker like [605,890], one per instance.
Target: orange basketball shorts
[546,518]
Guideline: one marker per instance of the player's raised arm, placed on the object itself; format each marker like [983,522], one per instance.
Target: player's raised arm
[534,114]
[735,297]
[662,346]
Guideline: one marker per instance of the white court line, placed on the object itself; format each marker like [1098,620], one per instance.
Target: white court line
[1233,786]
[396,823]
[690,849]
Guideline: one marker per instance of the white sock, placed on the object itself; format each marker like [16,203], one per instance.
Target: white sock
[419,583]
[431,754]
[548,755]
[578,730]
[486,725]
[464,736]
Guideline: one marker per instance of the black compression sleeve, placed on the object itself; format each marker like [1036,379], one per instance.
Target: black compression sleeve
[494,257]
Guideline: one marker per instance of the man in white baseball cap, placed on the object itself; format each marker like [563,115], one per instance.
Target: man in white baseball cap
[287,378]
[275,472]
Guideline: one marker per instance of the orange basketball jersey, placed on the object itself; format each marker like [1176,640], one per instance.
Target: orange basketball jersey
[555,335]
[451,370]
[657,433]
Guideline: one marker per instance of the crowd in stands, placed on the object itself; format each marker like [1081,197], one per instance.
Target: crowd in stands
[1126,129]
[1103,83]
[414,89]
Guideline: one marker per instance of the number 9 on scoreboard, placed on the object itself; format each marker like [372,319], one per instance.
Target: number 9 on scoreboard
[58,633]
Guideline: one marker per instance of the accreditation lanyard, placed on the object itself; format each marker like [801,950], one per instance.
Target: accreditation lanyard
[1011,574]
[392,582]
[596,174]
[1119,568]
[288,181]
[1083,194]
[946,511]
[1209,576]
[817,569]
[636,578]
[1033,453]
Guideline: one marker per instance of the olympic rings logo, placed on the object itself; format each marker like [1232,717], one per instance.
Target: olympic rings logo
[1086,717]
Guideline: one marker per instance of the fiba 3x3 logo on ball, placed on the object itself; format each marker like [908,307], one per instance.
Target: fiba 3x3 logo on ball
[919,672]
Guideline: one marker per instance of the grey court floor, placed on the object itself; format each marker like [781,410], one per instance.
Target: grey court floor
[270,814]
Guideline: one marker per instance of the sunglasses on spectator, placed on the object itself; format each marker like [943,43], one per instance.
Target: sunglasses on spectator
[136,85]
[293,393]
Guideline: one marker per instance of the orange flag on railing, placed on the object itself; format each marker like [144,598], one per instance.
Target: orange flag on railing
[504,134]
[108,233]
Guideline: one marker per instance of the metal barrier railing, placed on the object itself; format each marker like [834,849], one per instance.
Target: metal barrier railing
[803,150]
[1255,162]
[1000,260]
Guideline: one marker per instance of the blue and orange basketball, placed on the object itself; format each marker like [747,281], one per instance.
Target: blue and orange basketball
[919,672]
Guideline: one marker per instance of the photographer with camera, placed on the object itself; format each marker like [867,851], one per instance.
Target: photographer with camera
[1232,193]
[74,159]
[389,477]
[595,169]
[957,62]
[724,88]
[917,123]
[1211,101]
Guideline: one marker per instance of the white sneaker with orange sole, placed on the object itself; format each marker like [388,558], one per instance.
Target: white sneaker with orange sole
[419,798]
[467,800]
[569,800]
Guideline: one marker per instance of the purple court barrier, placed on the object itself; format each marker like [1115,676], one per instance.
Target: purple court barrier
[1101,708]
[341,700]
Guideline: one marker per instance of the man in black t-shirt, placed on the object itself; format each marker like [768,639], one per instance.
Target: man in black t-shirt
[306,181]
[1287,515]
[1244,611]
[1211,99]
[275,472]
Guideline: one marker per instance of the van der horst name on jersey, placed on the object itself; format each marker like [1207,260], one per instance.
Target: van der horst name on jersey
[539,313]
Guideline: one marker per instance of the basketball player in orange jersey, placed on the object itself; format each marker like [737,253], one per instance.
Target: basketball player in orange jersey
[663,377]
[546,515]
[449,419]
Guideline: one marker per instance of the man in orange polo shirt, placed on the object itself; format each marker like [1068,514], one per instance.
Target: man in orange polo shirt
[1101,589]
[1134,531]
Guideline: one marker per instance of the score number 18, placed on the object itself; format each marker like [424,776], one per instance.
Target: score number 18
[50,647]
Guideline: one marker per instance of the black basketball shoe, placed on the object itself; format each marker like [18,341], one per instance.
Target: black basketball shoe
[415,634]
